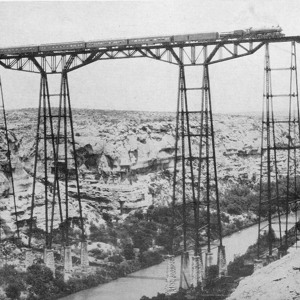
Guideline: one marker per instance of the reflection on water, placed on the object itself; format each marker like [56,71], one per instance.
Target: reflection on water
[150,281]
[129,288]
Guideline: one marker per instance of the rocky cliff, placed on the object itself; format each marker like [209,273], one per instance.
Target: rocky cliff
[124,160]
[277,281]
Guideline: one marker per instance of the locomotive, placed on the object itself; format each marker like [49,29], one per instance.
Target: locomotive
[250,33]
[261,32]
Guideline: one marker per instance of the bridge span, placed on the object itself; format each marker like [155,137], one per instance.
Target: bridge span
[179,53]
[195,177]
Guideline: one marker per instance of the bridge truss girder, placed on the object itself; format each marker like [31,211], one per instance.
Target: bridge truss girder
[178,54]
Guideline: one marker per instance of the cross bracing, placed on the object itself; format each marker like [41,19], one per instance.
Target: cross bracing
[187,54]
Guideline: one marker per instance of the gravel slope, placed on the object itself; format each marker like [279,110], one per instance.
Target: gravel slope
[279,280]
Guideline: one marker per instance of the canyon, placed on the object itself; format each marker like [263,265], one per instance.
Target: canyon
[125,159]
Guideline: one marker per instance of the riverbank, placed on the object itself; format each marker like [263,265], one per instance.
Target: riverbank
[39,283]
[150,281]
[278,280]
[105,276]
[51,287]
[262,285]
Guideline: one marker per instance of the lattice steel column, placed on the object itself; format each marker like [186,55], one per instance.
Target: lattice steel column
[195,186]
[65,162]
[292,198]
[59,166]
[185,174]
[184,180]
[208,194]
[278,146]
[5,153]
[45,154]
[268,161]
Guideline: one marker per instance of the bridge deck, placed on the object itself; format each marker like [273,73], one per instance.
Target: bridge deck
[187,53]
[164,45]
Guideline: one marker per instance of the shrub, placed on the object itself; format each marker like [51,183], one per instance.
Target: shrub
[8,274]
[117,259]
[13,279]
[233,209]
[98,253]
[150,258]
[106,217]
[128,252]
[124,268]
[40,279]
[13,291]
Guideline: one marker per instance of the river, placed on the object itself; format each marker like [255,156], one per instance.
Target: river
[150,281]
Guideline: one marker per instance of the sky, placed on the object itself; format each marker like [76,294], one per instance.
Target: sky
[142,84]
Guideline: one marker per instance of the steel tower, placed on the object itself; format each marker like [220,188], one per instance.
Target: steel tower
[5,162]
[195,174]
[279,152]
[55,154]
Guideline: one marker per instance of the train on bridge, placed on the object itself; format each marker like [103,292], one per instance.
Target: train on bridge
[250,33]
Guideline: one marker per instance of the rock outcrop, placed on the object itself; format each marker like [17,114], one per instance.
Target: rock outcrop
[126,159]
[277,281]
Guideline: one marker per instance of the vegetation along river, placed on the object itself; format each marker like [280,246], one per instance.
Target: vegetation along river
[150,281]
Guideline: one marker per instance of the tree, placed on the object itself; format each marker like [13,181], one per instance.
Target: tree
[128,252]
[150,258]
[13,291]
[40,278]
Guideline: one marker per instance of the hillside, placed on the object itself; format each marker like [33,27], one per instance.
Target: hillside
[126,162]
[109,143]
[277,281]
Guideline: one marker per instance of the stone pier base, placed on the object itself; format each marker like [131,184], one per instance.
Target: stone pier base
[185,271]
[84,257]
[197,270]
[171,275]
[258,264]
[45,256]
[67,276]
[222,261]
[2,260]
[62,254]
[208,261]
[28,258]
[49,260]
[68,259]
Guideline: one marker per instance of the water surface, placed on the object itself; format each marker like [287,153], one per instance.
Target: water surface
[150,281]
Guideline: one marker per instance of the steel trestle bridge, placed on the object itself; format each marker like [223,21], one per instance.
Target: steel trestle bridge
[195,180]
[175,53]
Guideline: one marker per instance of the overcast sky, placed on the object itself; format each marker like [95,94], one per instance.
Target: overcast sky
[142,84]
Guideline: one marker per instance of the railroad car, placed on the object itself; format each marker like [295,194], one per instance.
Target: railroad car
[150,40]
[19,49]
[206,36]
[180,38]
[107,43]
[232,34]
[269,32]
[239,32]
[62,46]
